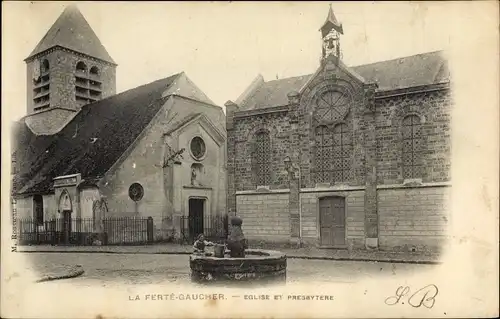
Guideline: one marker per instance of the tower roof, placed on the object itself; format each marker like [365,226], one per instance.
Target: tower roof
[73,32]
[331,22]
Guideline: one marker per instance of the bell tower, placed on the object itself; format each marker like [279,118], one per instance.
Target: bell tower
[330,35]
[67,69]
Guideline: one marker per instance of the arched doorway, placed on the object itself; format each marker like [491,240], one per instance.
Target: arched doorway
[66,209]
[332,221]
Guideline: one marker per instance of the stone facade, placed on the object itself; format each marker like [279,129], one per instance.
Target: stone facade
[61,86]
[356,158]
[62,71]
[375,162]
[413,218]
[67,72]
[168,189]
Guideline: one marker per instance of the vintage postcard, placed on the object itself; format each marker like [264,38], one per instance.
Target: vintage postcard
[250,159]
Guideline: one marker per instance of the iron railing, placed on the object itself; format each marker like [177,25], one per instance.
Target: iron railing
[86,231]
[213,227]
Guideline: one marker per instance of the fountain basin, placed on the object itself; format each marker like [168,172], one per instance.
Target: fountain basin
[257,266]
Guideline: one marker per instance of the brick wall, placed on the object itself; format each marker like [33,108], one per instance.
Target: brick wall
[434,109]
[413,218]
[265,216]
[355,215]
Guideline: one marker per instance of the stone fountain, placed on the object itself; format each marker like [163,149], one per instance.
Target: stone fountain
[237,263]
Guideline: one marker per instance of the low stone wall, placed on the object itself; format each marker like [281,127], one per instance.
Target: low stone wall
[413,219]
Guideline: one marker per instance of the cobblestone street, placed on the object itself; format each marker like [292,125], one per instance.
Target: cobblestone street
[132,269]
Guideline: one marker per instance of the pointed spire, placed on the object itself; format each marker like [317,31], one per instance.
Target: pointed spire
[72,31]
[331,23]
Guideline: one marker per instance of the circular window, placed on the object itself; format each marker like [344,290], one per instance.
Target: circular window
[197,147]
[136,192]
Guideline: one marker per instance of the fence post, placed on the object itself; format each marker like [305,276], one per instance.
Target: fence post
[150,229]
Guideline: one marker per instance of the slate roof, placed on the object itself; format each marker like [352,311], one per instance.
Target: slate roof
[91,143]
[73,32]
[416,70]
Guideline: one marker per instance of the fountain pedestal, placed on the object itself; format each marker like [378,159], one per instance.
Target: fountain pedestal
[257,266]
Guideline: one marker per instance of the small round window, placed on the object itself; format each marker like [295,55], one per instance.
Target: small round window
[136,192]
[198,148]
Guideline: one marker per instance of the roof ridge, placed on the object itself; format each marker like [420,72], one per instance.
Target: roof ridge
[359,65]
[287,78]
[393,59]
[132,89]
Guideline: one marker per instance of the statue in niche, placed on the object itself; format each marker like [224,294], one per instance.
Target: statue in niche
[193,176]
[196,171]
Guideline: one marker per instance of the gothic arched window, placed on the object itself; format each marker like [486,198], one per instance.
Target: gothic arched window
[412,147]
[261,158]
[323,154]
[342,149]
[333,154]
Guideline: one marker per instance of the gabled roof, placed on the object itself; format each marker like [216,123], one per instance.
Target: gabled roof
[92,142]
[211,129]
[421,69]
[177,125]
[73,32]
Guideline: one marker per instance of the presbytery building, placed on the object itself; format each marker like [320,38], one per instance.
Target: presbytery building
[347,157]
[157,150]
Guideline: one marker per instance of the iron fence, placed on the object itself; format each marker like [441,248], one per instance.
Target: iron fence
[86,231]
[213,227]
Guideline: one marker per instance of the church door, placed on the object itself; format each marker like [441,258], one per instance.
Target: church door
[196,212]
[332,221]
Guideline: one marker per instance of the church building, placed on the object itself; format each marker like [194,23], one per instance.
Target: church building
[156,151]
[354,157]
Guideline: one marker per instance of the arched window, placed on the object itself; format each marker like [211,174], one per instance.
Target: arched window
[45,66]
[38,210]
[412,147]
[81,67]
[94,71]
[261,158]
[333,154]
[342,150]
[323,154]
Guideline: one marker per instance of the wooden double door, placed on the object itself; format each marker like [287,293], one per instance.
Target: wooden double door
[332,221]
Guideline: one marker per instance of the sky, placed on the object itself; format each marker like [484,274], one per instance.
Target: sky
[222,46]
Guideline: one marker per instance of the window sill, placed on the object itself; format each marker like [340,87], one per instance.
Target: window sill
[263,188]
[412,182]
[432,184]
[263,191]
